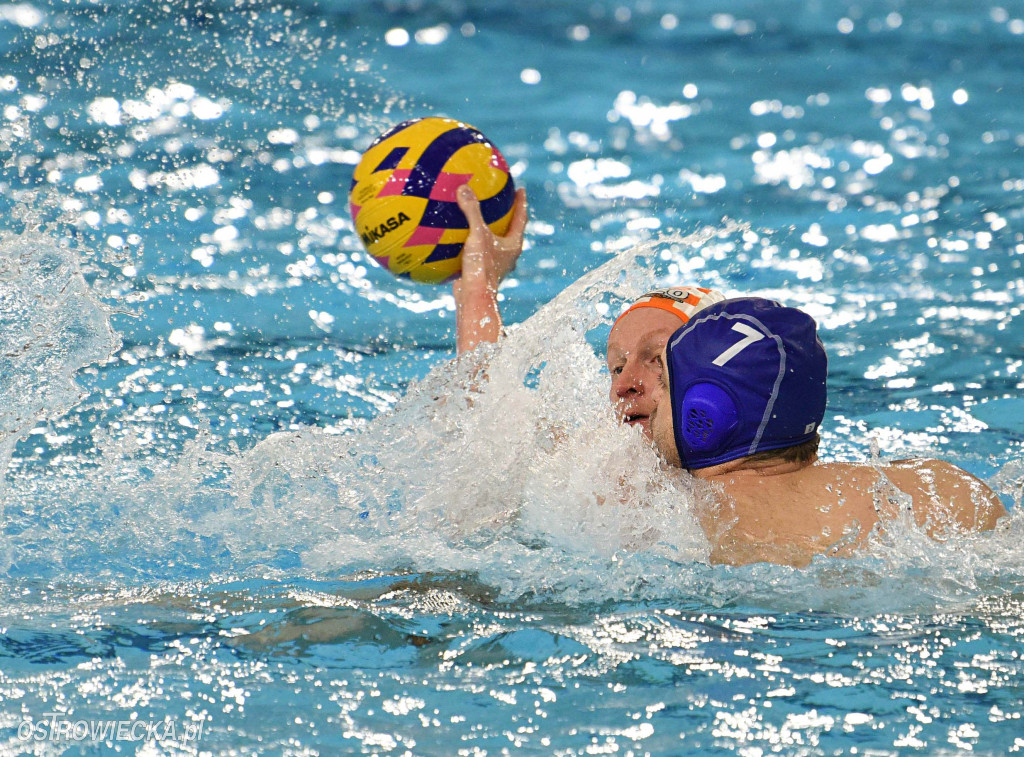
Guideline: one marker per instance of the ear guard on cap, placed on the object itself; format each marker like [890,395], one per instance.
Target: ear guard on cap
[708,417]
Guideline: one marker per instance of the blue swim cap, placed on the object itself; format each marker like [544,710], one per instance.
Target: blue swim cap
[745,375]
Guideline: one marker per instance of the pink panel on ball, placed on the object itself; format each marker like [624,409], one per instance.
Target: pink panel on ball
[446,184]
[498,161]
[395,183]
[424,235]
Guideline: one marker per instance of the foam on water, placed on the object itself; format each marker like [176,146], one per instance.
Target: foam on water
[474,458]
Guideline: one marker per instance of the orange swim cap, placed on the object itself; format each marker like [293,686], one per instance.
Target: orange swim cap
[682,301]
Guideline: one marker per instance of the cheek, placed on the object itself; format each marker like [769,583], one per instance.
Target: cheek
[660,421]
[664,440]
[655,390]
[661,430]
[650,377]
[653,387]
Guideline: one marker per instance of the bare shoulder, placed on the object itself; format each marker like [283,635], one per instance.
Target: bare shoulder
[946,496]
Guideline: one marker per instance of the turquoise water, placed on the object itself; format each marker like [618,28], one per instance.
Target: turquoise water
[252,504]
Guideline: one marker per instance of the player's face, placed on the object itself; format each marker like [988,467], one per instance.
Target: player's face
[662,427]
[635,345]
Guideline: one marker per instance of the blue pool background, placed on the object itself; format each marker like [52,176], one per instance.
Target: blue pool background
[248,489]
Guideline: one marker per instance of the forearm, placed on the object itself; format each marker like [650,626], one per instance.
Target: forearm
[486,260]
[477,319]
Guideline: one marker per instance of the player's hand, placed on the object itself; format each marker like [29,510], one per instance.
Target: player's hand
[486,257]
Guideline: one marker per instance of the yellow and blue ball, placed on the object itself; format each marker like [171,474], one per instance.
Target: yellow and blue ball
[402,197]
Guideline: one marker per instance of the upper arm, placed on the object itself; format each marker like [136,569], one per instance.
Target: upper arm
[946,498]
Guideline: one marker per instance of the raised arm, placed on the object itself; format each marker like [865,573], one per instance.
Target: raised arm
[486,260]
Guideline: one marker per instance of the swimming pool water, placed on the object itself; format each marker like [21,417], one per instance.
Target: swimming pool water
[253,506]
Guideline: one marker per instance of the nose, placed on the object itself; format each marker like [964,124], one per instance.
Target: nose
[627,382]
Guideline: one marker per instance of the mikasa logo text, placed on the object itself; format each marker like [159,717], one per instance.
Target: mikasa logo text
[376,233]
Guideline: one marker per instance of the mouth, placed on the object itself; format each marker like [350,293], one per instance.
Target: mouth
[639,420]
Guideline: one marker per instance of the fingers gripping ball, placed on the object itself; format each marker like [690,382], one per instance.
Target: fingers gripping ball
[403,202]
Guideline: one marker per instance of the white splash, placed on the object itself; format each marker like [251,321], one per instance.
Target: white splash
[51,326]
[506,465]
